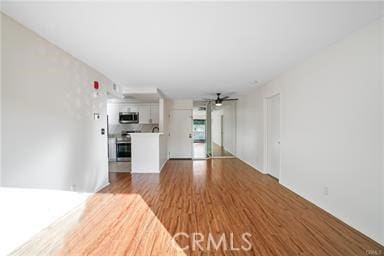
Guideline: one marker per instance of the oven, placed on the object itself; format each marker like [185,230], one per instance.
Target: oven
[123,150]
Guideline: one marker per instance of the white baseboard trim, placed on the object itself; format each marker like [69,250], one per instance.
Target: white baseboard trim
[340,218]
[317,204]
[253,166]
[102,187]
[161,168]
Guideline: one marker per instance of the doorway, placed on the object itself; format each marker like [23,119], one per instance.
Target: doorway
[200,131]
[272,138]
[199,138]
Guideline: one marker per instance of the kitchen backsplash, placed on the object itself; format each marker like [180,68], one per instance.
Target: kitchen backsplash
[117,128]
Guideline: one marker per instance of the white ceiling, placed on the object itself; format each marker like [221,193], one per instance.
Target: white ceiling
[187,49]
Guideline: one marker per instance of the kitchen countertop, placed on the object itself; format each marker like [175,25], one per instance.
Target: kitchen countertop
[113,136]
[118,136]
[145,133]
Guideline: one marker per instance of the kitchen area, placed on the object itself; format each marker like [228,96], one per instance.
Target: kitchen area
[131,116]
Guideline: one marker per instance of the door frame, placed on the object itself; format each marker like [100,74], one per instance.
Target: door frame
[267,134]
[193,148]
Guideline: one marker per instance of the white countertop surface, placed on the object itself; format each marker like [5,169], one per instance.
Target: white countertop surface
[146,133]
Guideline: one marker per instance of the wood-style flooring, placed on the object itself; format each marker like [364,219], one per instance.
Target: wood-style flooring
[219,151]
[199,151]
[138,214]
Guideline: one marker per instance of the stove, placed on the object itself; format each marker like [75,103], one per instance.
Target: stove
[123,146]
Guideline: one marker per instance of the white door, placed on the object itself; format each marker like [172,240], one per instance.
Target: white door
[180,134]
[273,139]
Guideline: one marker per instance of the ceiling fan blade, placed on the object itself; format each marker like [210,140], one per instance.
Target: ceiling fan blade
[229,99]
[224,98]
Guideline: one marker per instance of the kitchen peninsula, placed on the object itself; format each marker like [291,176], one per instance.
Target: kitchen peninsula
[146,152]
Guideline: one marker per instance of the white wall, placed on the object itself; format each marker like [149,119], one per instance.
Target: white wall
[331,122]
[228,111]
[181,104]
[50,139]
[250,129]
[199,114]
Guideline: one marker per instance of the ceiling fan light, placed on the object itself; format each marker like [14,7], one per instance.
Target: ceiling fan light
[218,103]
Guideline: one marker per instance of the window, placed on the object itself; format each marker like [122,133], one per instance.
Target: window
[198,130]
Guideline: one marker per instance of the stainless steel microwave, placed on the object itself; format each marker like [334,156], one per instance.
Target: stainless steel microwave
[129,117]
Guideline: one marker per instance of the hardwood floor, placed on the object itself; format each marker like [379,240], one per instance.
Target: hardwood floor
[199,150]
[138,214]
[219,151]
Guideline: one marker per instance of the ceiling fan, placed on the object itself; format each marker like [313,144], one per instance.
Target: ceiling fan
[219,100]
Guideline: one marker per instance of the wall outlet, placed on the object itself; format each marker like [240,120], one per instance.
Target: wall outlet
[325,191]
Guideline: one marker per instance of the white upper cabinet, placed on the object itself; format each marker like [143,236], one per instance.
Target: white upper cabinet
[144,114]
[148,113]
[129,108]
[155,114]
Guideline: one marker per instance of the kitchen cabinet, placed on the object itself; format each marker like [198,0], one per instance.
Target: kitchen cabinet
[148,113]
[155,113]
[113,111]
[128,108]
[144,114]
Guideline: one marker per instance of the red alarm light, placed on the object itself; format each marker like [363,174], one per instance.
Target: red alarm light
[96,85]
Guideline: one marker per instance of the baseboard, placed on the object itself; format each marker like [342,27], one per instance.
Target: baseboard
[251,165]
[161,168]
[98,189]
[311,201]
